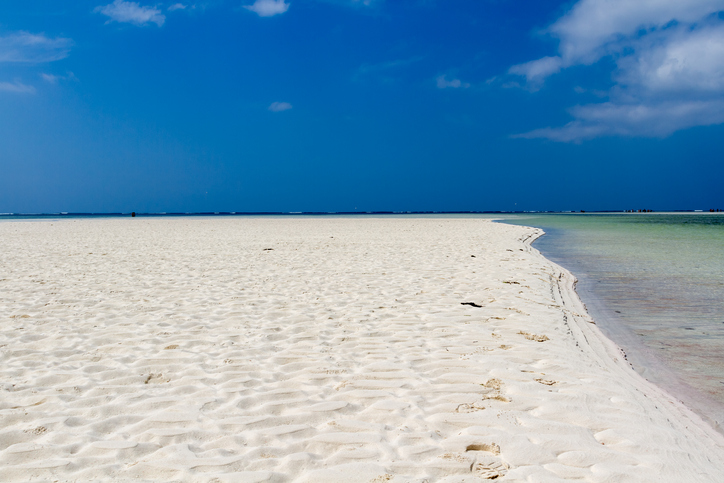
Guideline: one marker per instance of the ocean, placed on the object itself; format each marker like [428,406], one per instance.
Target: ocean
[654,283]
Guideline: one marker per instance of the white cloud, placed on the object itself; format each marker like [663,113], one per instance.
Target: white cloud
[681,61]
[443,83]
[131,12]
[268,8]
[279,106]
[177,6]
[537,71]
[594,28]
[648,120]
[669,57]
[33,48]
[16,87]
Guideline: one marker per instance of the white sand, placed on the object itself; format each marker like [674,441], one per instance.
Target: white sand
[179,349]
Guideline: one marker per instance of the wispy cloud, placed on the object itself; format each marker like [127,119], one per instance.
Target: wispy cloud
[443,83]
[638,119]
[131,12]
[177,6]
[537,71]
[33,48]
[54,79]
[16,87]
[669,74]
[24,47]
[268,8]
[279,106]
[50,78]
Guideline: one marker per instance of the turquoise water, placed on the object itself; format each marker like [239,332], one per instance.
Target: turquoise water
[654,283]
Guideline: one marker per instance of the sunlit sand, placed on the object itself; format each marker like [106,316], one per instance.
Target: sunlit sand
[317,349]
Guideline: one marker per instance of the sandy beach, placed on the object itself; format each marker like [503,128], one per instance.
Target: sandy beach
[317,349]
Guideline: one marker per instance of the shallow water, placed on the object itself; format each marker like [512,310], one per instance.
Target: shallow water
[654,283]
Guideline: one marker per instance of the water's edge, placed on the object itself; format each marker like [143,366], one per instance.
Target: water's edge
[643,360]
[587,333]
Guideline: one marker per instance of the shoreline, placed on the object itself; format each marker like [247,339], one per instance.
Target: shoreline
[608,349]
[642,357]
[649,365]
[14,217]
[318,350]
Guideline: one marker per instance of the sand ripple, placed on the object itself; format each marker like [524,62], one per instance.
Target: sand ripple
[356,350]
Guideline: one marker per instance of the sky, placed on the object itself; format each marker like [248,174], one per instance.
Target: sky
[361,105]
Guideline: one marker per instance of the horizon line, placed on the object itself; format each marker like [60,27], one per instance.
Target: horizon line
[332,213]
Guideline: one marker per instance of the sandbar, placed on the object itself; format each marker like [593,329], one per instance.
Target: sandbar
[317,349]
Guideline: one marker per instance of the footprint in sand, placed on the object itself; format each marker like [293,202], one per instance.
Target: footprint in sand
[494,383]
[487,447]
[488,468]
[154,379]
[469,408]
[485,465]
[535,337]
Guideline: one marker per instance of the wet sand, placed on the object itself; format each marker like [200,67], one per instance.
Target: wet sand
[653,283]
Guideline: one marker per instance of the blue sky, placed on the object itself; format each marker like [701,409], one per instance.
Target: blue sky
[337,105]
